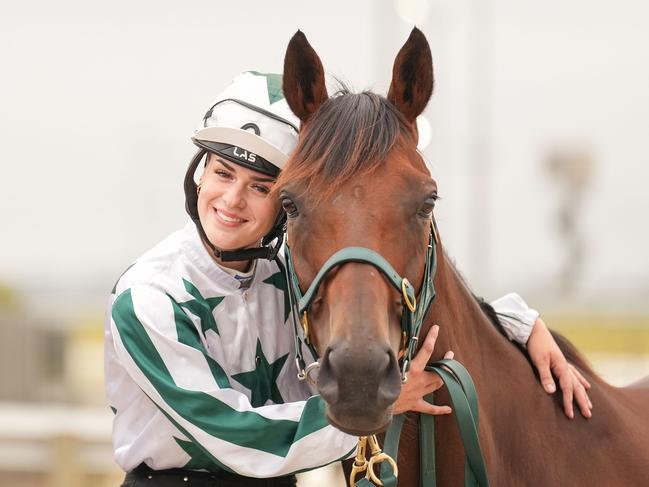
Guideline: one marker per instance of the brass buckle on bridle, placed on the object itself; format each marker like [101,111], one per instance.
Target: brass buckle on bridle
[412,305]
[360,462]
[305,326]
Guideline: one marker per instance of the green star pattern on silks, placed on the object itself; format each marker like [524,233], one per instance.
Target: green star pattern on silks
[198,459]
[202,307]
[262,380]
[279,281]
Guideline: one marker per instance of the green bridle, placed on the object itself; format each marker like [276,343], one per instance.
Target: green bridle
[414,310]
[458,382]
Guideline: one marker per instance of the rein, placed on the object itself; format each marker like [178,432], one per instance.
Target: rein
[454,375]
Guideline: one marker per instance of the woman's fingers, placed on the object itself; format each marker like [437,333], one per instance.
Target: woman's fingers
[545,374]
[421,382]
[573,387]
[582,399]
[433,383]
[580,393]
[425,407]
[565,380]
[426,350]
[580,377]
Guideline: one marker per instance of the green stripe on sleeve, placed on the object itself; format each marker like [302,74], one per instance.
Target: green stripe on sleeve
[202,410]
[207,461]
[188,335]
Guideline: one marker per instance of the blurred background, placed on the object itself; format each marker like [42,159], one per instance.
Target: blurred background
[537,136]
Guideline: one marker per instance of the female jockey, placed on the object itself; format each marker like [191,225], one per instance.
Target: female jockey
[199,356]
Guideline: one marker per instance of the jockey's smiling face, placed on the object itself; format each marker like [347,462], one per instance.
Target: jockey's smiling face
[234,205]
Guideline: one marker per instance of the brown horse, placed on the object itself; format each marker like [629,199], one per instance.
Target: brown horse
[356,179]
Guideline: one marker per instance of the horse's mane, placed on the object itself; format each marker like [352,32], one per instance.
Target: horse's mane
[349,134]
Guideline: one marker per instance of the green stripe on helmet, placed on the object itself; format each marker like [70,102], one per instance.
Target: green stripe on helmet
[273,84]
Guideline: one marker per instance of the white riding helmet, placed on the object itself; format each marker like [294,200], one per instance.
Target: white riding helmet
[249,124]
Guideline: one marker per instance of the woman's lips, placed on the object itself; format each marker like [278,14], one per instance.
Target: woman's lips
[228,219]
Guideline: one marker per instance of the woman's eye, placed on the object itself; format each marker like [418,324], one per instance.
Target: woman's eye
[223,174]
[427,208]
[289,207]
[261,189]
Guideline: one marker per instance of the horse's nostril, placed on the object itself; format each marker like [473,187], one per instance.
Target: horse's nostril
[327,383]
[390,384]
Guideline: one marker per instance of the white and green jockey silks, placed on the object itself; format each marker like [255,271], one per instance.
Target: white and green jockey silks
[200,371]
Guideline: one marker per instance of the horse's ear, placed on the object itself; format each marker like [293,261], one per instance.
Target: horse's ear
[304,80]
[412,76]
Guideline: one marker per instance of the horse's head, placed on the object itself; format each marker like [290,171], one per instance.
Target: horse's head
[356,179]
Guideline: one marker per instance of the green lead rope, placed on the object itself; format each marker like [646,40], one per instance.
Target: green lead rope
[465,404]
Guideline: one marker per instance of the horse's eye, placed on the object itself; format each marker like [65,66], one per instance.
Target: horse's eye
[289,207]
[427,208]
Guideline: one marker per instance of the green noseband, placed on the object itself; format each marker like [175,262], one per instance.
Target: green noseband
[414,310]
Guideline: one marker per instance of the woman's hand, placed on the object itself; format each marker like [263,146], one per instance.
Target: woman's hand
[549,359]
[420,382]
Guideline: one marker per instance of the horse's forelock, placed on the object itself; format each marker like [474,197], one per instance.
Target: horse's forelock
[350,134]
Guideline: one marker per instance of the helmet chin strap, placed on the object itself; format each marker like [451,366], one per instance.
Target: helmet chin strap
[266,251]
[269,252]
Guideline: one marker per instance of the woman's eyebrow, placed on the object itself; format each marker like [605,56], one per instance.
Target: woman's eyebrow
[225,164]
[263,180]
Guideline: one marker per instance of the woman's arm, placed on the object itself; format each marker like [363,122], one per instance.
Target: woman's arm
[157,344]
[523,325]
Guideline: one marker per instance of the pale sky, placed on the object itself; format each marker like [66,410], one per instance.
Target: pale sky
[99,100]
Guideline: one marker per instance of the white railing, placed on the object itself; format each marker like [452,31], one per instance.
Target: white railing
[68,446]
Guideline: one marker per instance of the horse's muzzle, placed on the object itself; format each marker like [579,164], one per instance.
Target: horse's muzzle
[359,384]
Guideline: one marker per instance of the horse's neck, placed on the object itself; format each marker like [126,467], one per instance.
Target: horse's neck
[517,419]
[504,379]
[464,327]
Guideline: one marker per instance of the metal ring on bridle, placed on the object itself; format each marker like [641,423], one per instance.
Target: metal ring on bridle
[307,372]
[412,305]
[375,460]
[377,456]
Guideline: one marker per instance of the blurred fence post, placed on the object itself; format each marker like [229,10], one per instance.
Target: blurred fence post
[65,470]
